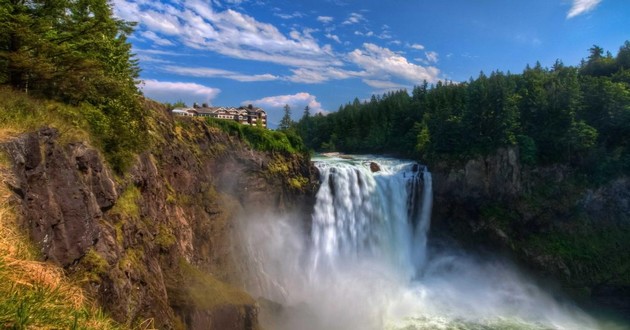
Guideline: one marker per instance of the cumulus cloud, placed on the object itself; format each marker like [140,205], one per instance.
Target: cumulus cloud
[416,46]
[274,106]
[354,18]
[218,73]
[382,62]
[196,24]
[167,91]
[580,7]
[325,19]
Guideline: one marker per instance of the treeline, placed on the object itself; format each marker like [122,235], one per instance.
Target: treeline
[77,53]
[563,114]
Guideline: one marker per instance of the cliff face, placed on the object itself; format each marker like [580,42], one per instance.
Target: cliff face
[551,219]
[155,244]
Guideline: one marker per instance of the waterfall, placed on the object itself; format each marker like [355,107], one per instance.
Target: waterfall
[364,263]
[382,216]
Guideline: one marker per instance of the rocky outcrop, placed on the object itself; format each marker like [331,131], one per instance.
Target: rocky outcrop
[147,241]
[555,224]
[496,176]
[64,192]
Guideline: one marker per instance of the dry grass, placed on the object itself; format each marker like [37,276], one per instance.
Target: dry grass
[34,294]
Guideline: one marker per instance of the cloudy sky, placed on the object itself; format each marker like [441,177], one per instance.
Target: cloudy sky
[325,53]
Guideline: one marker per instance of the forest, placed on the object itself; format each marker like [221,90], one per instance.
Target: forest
[575,115]
[75,53]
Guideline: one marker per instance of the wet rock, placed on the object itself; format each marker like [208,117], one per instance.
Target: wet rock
[374,167]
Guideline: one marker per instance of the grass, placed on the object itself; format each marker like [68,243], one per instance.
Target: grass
[261,139]
[127,204]
[20,113]
[115,128]
[34,294]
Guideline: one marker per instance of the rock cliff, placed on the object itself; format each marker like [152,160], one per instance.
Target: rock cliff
[552,219]
[154,244]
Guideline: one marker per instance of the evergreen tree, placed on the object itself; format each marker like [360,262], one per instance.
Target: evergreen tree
[286,122]
[76,52]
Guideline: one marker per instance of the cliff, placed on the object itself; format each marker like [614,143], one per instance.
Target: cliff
[156,243]
[552,219]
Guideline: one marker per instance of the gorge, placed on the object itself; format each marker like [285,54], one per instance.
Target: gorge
[365,263]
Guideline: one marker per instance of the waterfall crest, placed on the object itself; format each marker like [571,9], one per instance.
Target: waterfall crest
[382,216]
[363,263]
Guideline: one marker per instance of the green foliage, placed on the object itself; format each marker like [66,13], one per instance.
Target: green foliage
[558,115]
[77,53]
[592,254]
[127,204]
[164,238]
[527,148]
[286,122]
[262,139]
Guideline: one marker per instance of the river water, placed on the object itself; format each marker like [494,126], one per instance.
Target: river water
[364,263]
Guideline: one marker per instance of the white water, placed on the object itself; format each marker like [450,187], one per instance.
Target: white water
[364,264]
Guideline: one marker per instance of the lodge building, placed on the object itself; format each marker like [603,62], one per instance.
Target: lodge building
[248,115]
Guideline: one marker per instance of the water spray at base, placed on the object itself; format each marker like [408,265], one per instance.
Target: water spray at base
[364,262]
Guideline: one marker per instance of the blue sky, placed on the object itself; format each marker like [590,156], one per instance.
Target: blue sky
[325,53]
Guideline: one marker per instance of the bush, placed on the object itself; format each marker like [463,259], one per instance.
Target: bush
[261,139]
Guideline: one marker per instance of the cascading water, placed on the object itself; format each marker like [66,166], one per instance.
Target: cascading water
[364,263]
[381,216]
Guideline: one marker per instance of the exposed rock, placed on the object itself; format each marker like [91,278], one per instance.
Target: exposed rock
[374,167]
[610,203]
[130,236]
[62,208]
[547,221]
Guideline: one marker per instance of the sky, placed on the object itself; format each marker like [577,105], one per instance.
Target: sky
[326,53]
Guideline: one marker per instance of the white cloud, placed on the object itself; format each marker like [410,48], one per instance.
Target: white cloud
[150,35]
[289,16]
[325,19]
[382,84]
[432,56]
[218,73]
[417,46]
[166,91]
[383,63]
[354,18]
[274,105]
[580,7]
[195,24]
[319,75]
[333,37]
[148,58]
[367,33]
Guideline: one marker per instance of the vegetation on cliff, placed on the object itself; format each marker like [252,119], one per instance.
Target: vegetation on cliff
[35,294]
[149,242]
[75,53]
[535,163]
[571,115]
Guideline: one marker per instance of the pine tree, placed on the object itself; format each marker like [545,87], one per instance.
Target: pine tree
[286,122]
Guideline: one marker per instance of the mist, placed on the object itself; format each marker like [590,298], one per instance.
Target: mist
[358,267]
